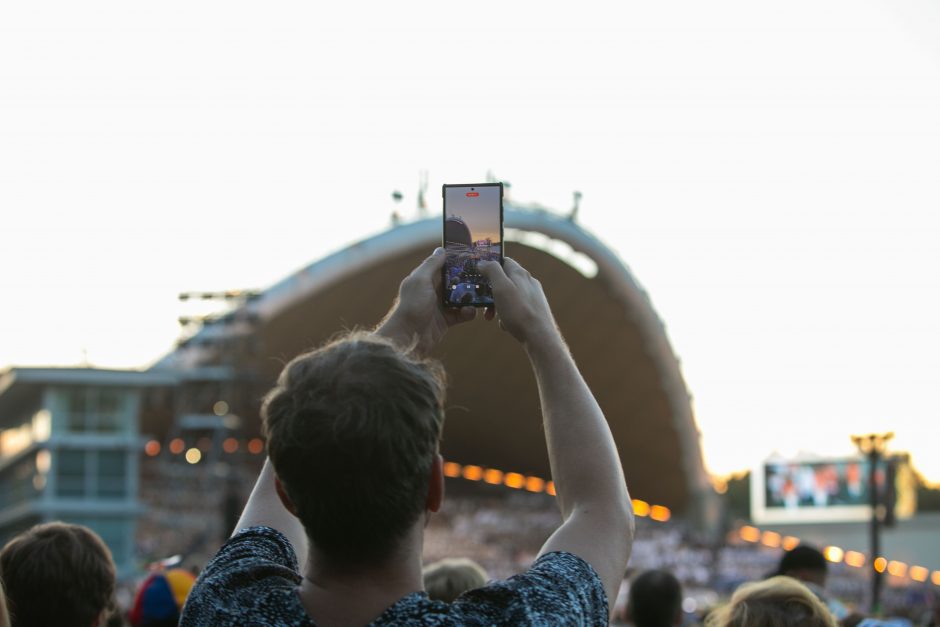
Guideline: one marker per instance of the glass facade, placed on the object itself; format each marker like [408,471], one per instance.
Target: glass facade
[70,453]
[94,410]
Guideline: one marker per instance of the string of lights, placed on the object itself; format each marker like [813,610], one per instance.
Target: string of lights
[641,508]
[837,555]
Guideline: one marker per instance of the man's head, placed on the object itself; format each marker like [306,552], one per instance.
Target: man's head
[353,430]
[804,563]
[57,574]
[655,600]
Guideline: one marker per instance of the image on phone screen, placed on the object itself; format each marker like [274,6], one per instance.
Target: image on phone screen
[473,232]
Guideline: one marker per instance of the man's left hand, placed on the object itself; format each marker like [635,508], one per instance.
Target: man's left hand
[419,314]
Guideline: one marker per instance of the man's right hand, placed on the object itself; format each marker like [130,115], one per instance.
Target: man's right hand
[521,305]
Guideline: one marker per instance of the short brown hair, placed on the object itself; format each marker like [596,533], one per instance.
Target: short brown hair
[352,429]
[57,574]
[776,602]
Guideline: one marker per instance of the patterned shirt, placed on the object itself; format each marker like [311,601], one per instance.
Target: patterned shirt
[254,579]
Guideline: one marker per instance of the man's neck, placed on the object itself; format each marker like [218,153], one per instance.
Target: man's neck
[340,598]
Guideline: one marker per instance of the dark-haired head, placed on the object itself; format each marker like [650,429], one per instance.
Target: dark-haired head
[57,574]
[805,563]
[353,431]
[655,600]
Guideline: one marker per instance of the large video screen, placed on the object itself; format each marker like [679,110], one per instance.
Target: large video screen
[820,490]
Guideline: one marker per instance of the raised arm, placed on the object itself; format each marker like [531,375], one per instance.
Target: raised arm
[589,482]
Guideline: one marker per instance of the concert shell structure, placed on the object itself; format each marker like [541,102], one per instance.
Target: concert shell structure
[493,415]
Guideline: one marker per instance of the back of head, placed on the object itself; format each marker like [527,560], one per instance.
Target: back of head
[449,578]
[352,432]
[805,563]
[776,602]
[57,574]
[655,600]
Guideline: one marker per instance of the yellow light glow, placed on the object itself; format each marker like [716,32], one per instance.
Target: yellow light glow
[790,543]
[660,513]
[750,534]
[880,564]
[473,473]
[514,480]
[220,408]
[493,476]
[451,469]
[550,488]
[534,484]
[919,573]
[854,559]
[935,578]
[896,568]
[43,461]
[771,539]
[193,455]
[833,554]
[641,508]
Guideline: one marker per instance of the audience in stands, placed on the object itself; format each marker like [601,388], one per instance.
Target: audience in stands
[333,530]
[655,600]
[447,579]
[58,574]
[776,602]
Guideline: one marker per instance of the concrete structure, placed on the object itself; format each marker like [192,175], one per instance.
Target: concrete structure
[493,414]
[69,450]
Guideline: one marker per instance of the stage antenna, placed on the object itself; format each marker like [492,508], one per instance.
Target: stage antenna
[396,215]
[422,190]
[577,205]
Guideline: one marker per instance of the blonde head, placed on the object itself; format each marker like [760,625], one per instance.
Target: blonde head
[449,578]
[775,602]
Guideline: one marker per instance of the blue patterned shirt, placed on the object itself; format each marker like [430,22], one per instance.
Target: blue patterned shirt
[254,579]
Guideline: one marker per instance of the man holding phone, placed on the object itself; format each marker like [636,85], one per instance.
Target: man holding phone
[333,531]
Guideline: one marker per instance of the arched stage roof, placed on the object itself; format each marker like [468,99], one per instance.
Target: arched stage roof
[493,415]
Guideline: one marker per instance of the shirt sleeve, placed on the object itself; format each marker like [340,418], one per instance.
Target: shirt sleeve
[251,566]
[559,589]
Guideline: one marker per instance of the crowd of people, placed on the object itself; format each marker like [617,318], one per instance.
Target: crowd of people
[350,505]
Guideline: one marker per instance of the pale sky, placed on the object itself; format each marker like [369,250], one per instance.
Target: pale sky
[768,171]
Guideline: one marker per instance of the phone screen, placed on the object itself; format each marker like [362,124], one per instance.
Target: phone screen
[473,232]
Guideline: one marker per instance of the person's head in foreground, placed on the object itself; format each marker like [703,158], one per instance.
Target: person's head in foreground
[805,563]
[352,431]
[655,600]
[334,529]
[447,579]
[776,602]
[58,574]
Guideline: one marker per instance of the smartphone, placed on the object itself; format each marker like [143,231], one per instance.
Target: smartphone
[473,232]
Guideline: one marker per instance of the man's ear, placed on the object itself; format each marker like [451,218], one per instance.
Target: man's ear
[436,485]
[282,494]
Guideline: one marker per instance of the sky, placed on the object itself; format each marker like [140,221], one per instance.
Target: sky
[768,172]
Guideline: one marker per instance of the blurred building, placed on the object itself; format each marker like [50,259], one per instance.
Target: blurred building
[69,450]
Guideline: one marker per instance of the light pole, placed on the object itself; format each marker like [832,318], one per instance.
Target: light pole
[873,446]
